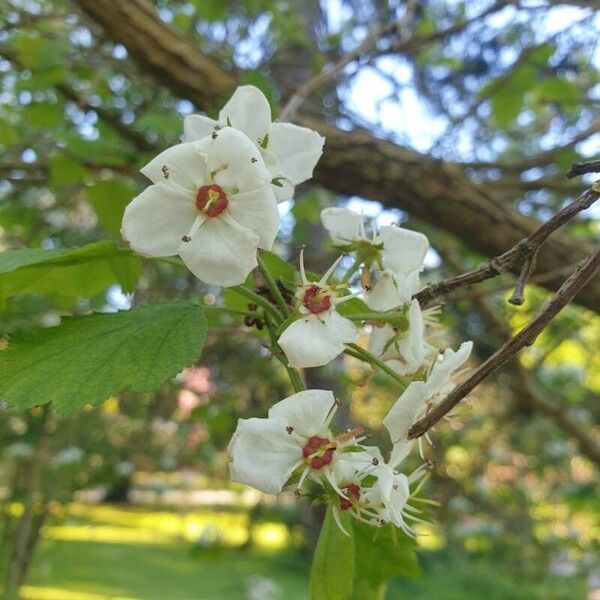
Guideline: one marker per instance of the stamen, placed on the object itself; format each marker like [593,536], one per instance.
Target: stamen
[329,271]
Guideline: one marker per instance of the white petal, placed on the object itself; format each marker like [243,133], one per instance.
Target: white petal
[196,127]
[408,285]
[411,347]
[234,160]
[344,329]
[297,149]
[257,210]
[309,342]
[221,252]
[183,164]
[403,250]
[248,110]
[284,190]
[350,467]
[344,226]
[263,454]
[155,221]
[384,295]
[443,369]
[306,411]
[378,340]
[404,411]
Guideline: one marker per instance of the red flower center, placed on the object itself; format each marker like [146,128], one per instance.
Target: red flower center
[353,493]
[211,200]
[316,299]
[318,452]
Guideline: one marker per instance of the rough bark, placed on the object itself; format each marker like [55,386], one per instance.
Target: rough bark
[357,163]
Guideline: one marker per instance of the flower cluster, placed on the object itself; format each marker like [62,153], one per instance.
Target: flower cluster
[214,197]
[214,202]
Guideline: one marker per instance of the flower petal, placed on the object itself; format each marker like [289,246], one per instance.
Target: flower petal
[343,329]
[257,210]
[221,252]
[344,226]
[443,369]
[248,110]
[234,160]
[155,221]
[263,454]
[183,164]
[310,342]
[297,149]
[306,411]
[196,127]
[384,295]
[403,250]
[403,414]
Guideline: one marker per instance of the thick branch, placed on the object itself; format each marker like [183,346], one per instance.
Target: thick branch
[526,337]
[354,163]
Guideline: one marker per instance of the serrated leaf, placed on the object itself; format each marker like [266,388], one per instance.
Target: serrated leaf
[68,273]
[382,553]
[90,358]
[332,571]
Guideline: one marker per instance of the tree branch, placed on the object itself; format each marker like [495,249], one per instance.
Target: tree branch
[521,253]
[526,337]
[354,163]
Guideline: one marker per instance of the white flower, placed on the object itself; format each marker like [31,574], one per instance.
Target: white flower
[319,335]
[394,256]
[420,397]
[373,492]
[266,452]
[211,203]
[403,351]
[290,152]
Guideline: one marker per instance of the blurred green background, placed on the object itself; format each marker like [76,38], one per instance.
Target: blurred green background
[130,499]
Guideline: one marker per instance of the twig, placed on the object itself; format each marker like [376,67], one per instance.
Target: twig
[518,296]
[583,168]
[308,87]
[522,251]
[527,336]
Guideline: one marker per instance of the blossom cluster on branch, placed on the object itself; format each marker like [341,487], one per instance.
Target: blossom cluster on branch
[213,201]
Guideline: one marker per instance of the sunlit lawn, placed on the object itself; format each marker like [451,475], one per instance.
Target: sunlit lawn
[106,552]
[123,553]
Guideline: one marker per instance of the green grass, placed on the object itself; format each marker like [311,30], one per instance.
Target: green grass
[124,553]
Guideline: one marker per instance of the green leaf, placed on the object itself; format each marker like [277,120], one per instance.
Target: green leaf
[382,553]
[279,268]
[558,90]
[87,359]
[332,571]
[508,95]
[64,171]
[43,114]
[109,199]
[67,273]
[210,10]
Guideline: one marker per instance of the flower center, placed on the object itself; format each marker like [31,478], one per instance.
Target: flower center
[211,200]
[353,493]
[316,299]
[318,452]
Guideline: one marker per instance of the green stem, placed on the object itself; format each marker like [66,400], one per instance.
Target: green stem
[272,285]
[231,311]
[357,352]
[353,268]
[293,374]
[396,319]
[259,300]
